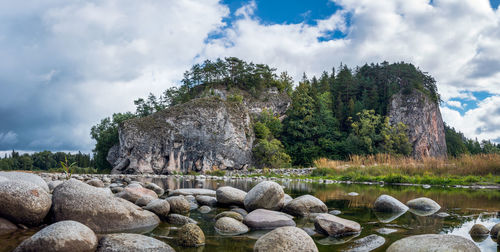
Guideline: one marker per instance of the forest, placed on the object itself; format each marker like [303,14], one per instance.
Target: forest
[339,114]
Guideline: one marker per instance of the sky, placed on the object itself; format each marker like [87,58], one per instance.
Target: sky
[68,64]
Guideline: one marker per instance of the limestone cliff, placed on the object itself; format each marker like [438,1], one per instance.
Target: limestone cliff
[202,134]
[424,121]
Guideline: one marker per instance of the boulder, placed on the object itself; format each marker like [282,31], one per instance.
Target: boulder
[206,200]
[28,177]
[423,206]
[285,239]
[267,219]
[230,214]
[131,242]
[335,226]
[178,204]
[266,195]
[133,192]
[178,219]
[144,200]
[287,199]
[241,211]
[494,230]
[479,230]
[368,243]
[160,207]
[386,203]
[305,205]
[190,235]
[192,191]
[98,209]
[63,236]
[154,187]
[54,184]
[228,195]
[6,226]
[230,226]
[23,202]
[433,243]
[95,182]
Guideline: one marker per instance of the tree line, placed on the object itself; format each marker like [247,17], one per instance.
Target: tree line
[43,161]
[459,145]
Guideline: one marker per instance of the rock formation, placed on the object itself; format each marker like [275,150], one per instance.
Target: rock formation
[425,125]
[206,133]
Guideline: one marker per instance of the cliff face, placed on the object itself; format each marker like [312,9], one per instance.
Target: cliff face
[424,121]
[203,134]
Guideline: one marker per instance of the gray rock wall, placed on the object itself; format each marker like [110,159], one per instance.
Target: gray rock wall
[424,121]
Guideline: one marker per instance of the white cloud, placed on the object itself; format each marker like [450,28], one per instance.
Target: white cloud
[9,137]
[455,104]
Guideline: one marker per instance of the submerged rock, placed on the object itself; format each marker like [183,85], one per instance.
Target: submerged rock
[27,177]
[23,202]
[335,226]
[433,243]
[6,226]
[267,219]
[368,243]
[285,239]
[230,226]
[266,195]
[241,211]
[63,236]
[98,209]
[190,235]
[386,203]
[386,231]
[178,219]
[204,209]
[230,214]
[305,205]
[230,196]
[131,242]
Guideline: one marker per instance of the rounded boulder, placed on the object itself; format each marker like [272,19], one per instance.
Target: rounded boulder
[285,239]
[266,195]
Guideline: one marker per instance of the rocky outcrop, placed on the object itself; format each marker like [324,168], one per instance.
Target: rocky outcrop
[425,125]
[203,134]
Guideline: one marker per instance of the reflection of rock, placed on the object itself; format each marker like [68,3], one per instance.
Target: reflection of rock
[433,242]
[367,243]
[387,217]
[479,230]
[330,240]
[422,212]
[443,214]
[494,230]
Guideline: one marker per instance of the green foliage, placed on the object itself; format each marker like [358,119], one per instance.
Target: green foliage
[459,145]
[43,161]
[218,173]
[235,98]
[270,154]
[261,131]
[106,135]
[67,167]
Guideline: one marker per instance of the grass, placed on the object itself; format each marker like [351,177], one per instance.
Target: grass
[464,170]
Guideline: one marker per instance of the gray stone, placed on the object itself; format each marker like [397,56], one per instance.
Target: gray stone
[305,205]
[479,230]
[154,187]
[6,226]
[494,230]
[98,209]
[160,207]
[192,191]
[433,243]
[386,231]
[335,212]
[132,242]
[266,195]
[206,200]
[178,219]
[230,196]
[144,200]
[335,226]
[54,184]
[386,203]
[241,211]
[190,235]
[285,239]
[133,192]
[365,244]
[63,236]
[425,125]
[230,226]
[23,202]
[230,214]
[25,176]
[267,219]
[95,182]
[423,205]
[178,204]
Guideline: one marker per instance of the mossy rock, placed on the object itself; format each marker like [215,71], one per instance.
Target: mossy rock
[190,235]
